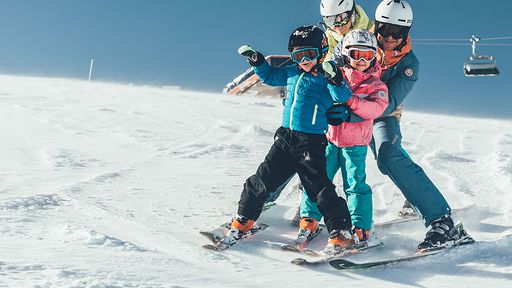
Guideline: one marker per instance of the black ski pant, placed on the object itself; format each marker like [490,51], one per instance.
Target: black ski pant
[304,154]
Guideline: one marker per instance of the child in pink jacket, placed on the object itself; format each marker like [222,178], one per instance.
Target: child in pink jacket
[348,141]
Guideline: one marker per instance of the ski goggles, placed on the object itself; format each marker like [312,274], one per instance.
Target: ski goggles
[305,54]
[395,31]
[365,54]
[339,20]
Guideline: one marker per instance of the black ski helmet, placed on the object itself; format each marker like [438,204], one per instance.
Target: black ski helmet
[308,36]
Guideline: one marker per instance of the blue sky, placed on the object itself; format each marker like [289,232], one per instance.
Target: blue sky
[193,43]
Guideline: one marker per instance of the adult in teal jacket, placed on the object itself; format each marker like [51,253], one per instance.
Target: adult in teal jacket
[393,20]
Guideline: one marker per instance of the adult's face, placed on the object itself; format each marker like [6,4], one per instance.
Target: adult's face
[342,30]
[389,43]
[390,35]
[340,23]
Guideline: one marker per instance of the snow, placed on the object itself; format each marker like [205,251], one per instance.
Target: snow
[107,185]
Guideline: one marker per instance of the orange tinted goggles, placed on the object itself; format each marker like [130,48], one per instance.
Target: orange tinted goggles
[361,54]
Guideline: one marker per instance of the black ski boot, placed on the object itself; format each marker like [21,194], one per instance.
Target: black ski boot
[443,233]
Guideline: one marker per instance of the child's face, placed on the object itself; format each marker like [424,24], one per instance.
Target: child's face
[360,65]
[306,65]
[360,57]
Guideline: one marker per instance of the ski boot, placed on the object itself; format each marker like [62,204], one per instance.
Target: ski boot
[339,241]
[240,226]
[407,211]
[361,235]
[443,233]
[307,228]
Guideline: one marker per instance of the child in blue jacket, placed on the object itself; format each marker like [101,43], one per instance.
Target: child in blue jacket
[300,142]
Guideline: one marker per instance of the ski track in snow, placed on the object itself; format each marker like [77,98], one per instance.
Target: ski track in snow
[106,185]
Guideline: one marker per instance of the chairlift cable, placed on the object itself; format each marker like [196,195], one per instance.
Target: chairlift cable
[440,44]
[496,38]
[439,39]
[459,44]
[460,39]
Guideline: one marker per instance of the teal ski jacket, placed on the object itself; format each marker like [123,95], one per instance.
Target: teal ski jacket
[308,98]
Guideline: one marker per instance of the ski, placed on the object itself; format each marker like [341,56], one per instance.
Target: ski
[365,246]
[218,245]
[415,217]
[460,238]
[214,235]
[341,264]
[301,247]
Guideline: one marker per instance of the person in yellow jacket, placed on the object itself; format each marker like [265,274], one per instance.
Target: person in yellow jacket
[340,17]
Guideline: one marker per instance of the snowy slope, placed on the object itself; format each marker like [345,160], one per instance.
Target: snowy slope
[105,185]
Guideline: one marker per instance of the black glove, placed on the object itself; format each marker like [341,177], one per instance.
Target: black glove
[331,72]
[254,57]
[338,114]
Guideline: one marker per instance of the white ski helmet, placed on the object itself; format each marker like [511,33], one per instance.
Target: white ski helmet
[358,37]
[335,7]
[397,12]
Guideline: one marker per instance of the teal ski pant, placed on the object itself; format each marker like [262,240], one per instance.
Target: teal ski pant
[412,181]
[352,163]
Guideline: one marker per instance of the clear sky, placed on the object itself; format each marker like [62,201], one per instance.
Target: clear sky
[193,43]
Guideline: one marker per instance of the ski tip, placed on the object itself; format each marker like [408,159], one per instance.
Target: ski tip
[211,247]
[262,226]
[299,261]
[341,264]
[210,236]
[290,247]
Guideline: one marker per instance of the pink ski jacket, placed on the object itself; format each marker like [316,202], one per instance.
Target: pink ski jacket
[370,99]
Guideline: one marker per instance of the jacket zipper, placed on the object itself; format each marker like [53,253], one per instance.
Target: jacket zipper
[295,99]
[314,115]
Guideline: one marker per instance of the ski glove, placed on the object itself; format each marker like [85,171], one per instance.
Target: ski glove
[254,57]
[332,73]
[336,56]
[338,114]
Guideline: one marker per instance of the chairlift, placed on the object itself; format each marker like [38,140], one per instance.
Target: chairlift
[478,65]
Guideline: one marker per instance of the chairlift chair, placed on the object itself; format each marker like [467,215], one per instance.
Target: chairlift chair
[478,65]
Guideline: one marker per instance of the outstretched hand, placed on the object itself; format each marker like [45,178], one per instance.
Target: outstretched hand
[254,57]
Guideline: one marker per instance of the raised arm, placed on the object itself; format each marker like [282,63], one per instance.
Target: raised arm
[273,76]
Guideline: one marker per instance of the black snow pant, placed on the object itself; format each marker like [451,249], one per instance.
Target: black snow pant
[304,154]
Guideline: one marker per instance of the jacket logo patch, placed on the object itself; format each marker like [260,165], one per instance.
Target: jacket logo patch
[409,72]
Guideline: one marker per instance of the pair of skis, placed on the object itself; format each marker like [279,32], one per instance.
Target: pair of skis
[337,261]
[462,238]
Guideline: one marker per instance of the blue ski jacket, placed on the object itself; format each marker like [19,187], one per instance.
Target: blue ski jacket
[308,98]
[400,79]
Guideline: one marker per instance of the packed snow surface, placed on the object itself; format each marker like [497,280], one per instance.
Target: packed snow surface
[107,185]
